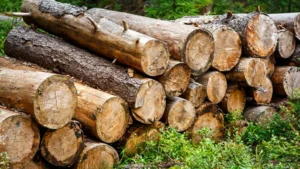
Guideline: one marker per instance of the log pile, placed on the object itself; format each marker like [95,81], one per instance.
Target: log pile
[106,79]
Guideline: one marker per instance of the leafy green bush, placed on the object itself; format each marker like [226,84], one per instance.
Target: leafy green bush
[4,163]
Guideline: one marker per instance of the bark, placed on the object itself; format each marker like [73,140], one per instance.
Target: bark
[104,37]
[295,59]
[50,99]
[193,46]
[180,114]
[216,85]
[176,78]
[286,44]
[146,97]
[260,114]
[195,93]
[62,147]
[20,137]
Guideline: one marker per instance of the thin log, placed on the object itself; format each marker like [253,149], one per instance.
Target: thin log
[286,44]
[149,56]
[260,114]
[195,93]
[263,94]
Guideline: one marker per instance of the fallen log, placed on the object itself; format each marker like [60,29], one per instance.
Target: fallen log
[216,85]
[176,78]
[260,114]
[193,46]
[180,114]
[20,137]
[195,93]
[50,99]
[62,147]
[97,156]
[104,37]
[286,44]
[146,97]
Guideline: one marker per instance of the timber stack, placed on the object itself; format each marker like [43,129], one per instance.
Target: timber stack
[109,78]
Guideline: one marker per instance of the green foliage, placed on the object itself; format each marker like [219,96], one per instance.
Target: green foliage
[4,161]
[5,27]
[10,5]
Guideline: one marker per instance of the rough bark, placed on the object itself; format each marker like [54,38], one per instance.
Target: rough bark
[104,37]
[286,81]
[216,85]
[146,97]
[97,156]
[260,114]
[195,93]
[193,46]
[62,147]
[50,99]
[20,137]
[176,78]
[180,114]
[286,44]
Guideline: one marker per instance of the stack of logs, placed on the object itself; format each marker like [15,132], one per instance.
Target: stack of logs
[108,78]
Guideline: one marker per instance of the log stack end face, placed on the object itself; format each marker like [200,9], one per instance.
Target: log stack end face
[216,87]
[291,82]
[286,43]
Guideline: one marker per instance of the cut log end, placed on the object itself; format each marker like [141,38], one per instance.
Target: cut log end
[56,96]
[234,100]
[255,68]
[264,93]
[195,93]
[155,58]
[261,35]
[150,102]
[198,52]
[261,114]
[291,82]
[228,48]
[286,43]
[297,26]
[63,146]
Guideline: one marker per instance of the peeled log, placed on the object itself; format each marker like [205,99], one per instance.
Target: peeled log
[286,81]
[179,114]
[234,100]
[193,46]
[286,44]
[146,97]
[216,85]
[50,99]
[195,93]
[104,37]
[176,78]
[290,21]
[97,156]
[20,137]
[260,114]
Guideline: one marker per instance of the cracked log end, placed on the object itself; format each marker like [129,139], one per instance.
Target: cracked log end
[62,147]
[20,137]
[286,43]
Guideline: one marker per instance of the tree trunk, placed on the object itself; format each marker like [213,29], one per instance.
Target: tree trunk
[20,137]
[286,44]
[286,81]
[62,147]
[234,100]
[146,97]
[104,37]
[193,46]
[260,114]
[295,59]
[50,99]
[290,21]
[195,93]
[176,78]
[216,85]
[97,156]
[180,114]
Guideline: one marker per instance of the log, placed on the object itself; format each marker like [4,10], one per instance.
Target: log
[20,137]
[263,94]
[193,46]
[146,97]
[62,147]
[104,37]
[286,44]
[234,101]
[216,85]
[176,78]
[259,114]
[195,93]
[97,156]
[50,99]
[290,21]
[286,81]
[295,59]
[180,114]
[37,163]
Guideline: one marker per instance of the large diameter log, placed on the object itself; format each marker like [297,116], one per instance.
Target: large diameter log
[193,46]
[260,114]
[20,137]
[234,100]
[50,99]
[290,21]
[216,85]
[62,147]
[195,93]
[179,114]
[146,97]
[286,44]
[104,37]
[97,156]
[176,78]
[286,81]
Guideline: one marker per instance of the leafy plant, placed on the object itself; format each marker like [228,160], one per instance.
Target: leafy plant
[4,161]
